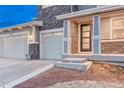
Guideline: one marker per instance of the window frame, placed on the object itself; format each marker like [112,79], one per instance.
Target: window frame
[46,6]
[81,33]
[112,30]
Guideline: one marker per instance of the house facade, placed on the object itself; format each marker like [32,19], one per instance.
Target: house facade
[51,35]
[93,32]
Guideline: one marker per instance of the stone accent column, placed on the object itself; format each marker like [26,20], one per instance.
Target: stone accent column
[65,36]
[34,50]
[96,44]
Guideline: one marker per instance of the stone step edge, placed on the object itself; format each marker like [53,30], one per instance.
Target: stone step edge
[76,60]
[74,66]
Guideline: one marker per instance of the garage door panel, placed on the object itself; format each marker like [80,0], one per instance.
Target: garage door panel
[52,47]
[14,47]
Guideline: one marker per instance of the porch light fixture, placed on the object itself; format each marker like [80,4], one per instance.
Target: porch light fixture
[30,39]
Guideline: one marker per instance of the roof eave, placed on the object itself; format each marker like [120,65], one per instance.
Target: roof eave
[36,23]
[90,12]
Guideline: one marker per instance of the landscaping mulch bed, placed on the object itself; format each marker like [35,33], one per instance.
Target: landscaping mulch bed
[97,72]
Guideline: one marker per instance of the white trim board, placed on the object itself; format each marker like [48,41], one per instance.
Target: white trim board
[113,40]
[90,11]
[51,30]
[14,33]
[68,37]
[46,6]
[37,23]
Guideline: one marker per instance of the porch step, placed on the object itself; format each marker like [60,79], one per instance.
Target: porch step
[74,66]
[74,60]
[77,56]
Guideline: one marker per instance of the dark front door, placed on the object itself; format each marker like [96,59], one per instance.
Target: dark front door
[85,40]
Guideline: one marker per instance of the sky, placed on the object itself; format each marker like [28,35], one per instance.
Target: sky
[11,15]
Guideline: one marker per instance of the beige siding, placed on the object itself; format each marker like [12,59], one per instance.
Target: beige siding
[105,28]
[74,37]
[112,47]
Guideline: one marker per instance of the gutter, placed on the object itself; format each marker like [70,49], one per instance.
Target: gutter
[37,23]
[90,11]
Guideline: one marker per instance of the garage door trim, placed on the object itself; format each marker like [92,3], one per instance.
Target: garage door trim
[47,32]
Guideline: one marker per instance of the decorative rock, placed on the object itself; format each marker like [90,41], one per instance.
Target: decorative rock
[87,84]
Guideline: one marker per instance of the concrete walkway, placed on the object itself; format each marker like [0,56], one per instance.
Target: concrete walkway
[14,71]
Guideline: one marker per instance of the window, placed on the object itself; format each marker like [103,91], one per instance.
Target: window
[45,6]
[85,37]
[118,28]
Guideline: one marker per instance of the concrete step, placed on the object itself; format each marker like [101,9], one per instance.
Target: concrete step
[76,56]
[74,66]
[74,60]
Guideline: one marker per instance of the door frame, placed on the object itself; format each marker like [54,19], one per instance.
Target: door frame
[81,47]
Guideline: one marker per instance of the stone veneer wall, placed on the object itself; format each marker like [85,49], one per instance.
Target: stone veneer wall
[74,37]
[112,47]
[48,16]
[34,51]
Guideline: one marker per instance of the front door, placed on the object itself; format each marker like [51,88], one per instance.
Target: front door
[85,41]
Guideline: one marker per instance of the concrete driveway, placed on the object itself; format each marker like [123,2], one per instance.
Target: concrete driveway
[15,71]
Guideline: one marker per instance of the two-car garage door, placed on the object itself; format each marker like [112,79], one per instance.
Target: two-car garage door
[13,46]
[16,46]
[51,45]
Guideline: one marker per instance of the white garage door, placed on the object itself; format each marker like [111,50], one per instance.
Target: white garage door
[51,46]
[14,47]
[0,46]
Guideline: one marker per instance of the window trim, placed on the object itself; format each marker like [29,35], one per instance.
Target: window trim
[111,25]
[46,6]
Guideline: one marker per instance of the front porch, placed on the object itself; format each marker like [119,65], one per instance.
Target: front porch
[95,37]
[79,35]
